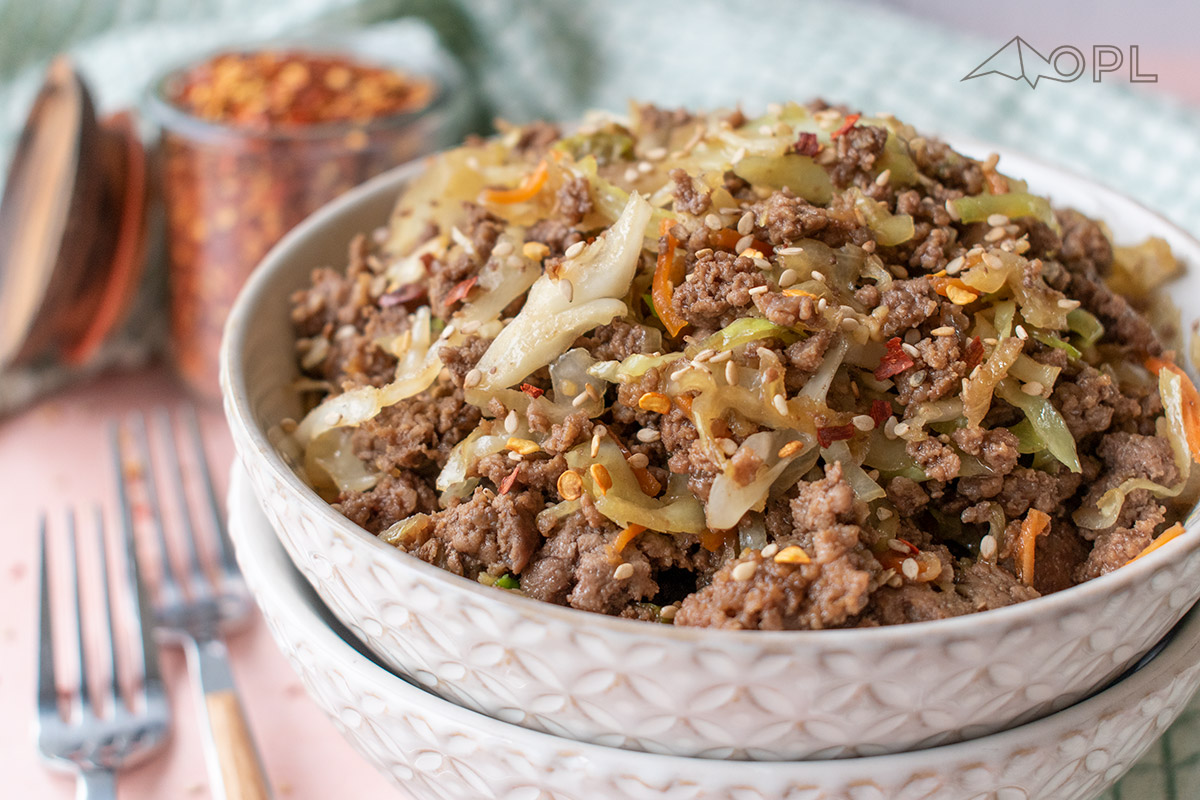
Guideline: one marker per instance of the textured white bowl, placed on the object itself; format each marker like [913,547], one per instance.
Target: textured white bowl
[432,748]
[761,695]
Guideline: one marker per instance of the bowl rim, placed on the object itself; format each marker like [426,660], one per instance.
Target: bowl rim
[967,627]
[1181,649]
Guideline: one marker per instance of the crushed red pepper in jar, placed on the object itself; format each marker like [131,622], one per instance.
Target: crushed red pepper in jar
[254,142]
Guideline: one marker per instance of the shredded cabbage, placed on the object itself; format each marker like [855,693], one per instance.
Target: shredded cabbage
[728,501]
[865,489]
[549,321]
[330,461]
[977,208]
[803,176]
[571,375]
[1045,420]
[625,503]
[977,389]
[418,366]
[889,229]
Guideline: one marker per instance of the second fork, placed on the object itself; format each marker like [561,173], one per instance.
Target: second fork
[197,611]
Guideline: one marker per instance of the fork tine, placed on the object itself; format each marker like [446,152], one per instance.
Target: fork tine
[195,571]
[86,706]
[168,584]
[147,657]
[47,677]
[112,692]
[224,544]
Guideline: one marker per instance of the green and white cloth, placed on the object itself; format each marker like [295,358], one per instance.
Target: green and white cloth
[541,58]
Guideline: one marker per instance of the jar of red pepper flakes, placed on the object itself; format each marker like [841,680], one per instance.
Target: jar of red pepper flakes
[252,141]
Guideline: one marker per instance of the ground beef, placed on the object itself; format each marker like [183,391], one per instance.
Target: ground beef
[575,200]
[1122,323]
[717,289]
[416,433]
[984,585]
[397,495]
[489,532]
[938,459]
[1115,547]
[687,199]
[996,448]
[618,340]
[907,495]
[858,150]
[555,234]
[536,137]
[1083,246]
[462,359]
[915,602]
[788,218]
[785,310]
[909,303]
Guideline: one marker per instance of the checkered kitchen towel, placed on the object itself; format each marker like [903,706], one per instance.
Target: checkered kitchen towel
[547,58]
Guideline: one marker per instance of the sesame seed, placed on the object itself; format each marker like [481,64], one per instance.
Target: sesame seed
[854,389]
[974,252]
[1033,388]
[743,244]
[472,378]
[515,456]
[648,435]
[574,250]
[883,512]
[868,246]
[567,288]
[502,249]
[883,178]
[639,460]
[952,211]
[631,175]
[895,581]
[818,276]
[731,372]
[901,428]
[822,304]
[992,260]
[656,153]
[1008,246]
[945,330]
[889,428]
[864,422]
[724,355]
[911,350]
[910,568]
[580,399]
[780,404]
[644,167]
[1069,305]
[955,266]
[728,446]
[849,324]
[997,220]
[704,355]
[679,373]
[757,290]
[790,449]
[704,252]
[514,262]
[713,222]
[770,550]
[991,341]
[510,422]
[988,547]
[623,572]
[788,277]
[668,613]
[745,225]
[744,571]
[1021,332]
[917,378]
[789,251]
[995,235]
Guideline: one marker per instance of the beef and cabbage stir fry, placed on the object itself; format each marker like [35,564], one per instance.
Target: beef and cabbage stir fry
[807,370]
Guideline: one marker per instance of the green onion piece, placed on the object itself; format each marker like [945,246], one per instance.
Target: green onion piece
[508,581]
[1045,420]
[1085,324]
[978,208]
[1053,341]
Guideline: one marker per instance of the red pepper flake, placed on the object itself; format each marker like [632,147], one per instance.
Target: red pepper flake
[880,411]
[806,145]
[405,294]
[974,353]
[851,119]
[461,290]
[509,480]
[532,391]
[827,436]
[894,361]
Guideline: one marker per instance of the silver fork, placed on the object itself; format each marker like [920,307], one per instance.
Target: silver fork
[199,610]
[112,729]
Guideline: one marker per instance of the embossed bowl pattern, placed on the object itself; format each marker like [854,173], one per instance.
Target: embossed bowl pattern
[435,750]
[719,694]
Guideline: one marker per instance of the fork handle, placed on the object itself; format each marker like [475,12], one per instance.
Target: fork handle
[96,784]
[234,764]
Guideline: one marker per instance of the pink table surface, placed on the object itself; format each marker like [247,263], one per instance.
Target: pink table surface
[57,452]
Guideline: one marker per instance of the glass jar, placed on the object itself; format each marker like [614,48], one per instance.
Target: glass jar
[233,188]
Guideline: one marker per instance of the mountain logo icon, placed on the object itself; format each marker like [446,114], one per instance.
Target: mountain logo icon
[1019,60]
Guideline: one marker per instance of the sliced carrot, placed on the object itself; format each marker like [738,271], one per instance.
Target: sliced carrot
[526,190]
[1191,403]
[727,239]
[668,273]
[1036,524]
[628,535]
[1173,532]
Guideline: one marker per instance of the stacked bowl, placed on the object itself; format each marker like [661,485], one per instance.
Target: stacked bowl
[496,695]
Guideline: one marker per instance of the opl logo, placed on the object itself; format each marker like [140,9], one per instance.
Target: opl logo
[1019,60]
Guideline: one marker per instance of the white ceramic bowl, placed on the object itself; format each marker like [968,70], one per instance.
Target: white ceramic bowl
[432,748]
[716,693]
